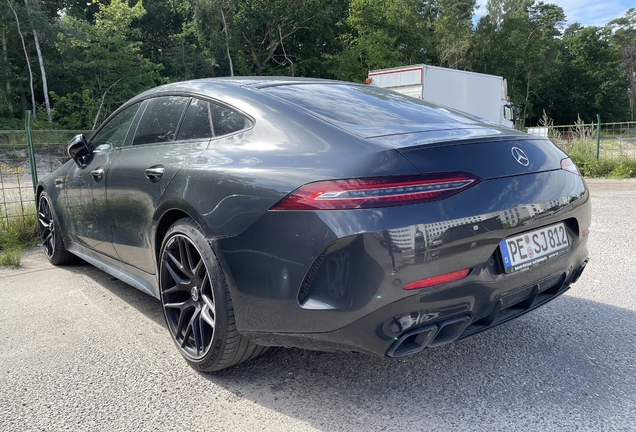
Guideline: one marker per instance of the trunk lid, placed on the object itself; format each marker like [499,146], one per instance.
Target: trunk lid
[487,158]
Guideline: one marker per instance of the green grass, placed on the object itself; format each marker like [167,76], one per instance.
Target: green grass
[16,234]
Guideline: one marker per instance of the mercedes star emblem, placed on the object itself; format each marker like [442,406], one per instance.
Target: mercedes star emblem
[520,156]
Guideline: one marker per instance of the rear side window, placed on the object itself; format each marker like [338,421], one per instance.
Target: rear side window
[206,119]
[160,120]
[197,123]
[227,121]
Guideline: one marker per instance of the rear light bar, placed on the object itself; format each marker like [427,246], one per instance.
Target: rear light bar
[376,192]
[438,280]
[568,165]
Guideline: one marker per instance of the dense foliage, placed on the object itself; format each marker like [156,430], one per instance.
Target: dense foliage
[80,60]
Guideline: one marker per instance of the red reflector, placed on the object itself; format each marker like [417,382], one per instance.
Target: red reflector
[585,232]
[438,280]
[568,165]
[376,192]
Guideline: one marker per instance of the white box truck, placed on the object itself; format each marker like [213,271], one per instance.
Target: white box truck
[478,94]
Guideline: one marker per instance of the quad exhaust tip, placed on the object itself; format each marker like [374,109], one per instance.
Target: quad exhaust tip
[414,341]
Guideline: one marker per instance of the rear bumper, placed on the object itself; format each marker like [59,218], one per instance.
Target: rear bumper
[434,318]
[333,280]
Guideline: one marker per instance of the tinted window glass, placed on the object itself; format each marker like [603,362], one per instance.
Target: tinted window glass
[197,121]
[361,105]
[226,121]
[160,120]
[113,134]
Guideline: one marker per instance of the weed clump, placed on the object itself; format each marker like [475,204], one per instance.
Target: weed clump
[16,234]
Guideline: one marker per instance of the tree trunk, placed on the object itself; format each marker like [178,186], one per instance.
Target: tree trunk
[41,61]
[23,99]
[4,51]
[227,43]
[632,80]
[26,57]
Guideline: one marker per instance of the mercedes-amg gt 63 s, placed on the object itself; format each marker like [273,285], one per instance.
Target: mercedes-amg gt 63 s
[317,214]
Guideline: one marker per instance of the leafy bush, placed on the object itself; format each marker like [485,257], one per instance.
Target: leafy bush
[614,168]
[626,168]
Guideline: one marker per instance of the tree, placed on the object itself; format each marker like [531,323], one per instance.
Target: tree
[32,19]
[386,33]
[106,64]
[625,37]
[519,43]
[26,57]
[453,31]
[262,37]
[587,78]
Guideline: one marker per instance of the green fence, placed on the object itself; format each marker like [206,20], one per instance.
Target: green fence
[16,184]
[609,141]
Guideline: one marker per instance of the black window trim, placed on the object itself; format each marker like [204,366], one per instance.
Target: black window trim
[142,109]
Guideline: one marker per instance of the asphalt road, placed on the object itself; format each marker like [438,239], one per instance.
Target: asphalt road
[82,351]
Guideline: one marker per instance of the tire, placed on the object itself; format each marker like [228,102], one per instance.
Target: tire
[197,304]
[50,235]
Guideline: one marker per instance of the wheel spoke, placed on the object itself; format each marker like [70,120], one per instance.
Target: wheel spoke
[183,257]
[197,332]
[191,267]
[174,289]
[47,238]
[180,305]
[206,315]
[174,260]
[177,278]
[198,268]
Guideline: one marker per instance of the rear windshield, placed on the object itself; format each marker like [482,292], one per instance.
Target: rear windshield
[366,106]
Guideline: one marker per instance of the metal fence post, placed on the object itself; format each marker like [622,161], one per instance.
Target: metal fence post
[598,136]
[34,172]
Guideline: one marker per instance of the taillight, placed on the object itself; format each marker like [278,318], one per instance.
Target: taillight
[438,280]
[568,165]
[376,192]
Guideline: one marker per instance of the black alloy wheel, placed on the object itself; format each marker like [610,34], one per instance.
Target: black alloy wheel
[187,296]
[50,237]
[196,302]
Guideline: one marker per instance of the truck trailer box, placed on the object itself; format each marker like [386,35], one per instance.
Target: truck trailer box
[478,94]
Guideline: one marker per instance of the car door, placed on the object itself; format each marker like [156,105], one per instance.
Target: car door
[85,186]
[143,170]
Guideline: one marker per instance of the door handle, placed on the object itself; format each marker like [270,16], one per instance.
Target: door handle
[98,173]
[154,173]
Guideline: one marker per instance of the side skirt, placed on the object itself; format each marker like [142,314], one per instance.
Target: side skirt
[128,274]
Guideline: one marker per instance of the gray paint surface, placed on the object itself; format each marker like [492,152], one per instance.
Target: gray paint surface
[81,351]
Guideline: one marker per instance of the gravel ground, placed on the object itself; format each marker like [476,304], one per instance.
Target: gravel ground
[83,351]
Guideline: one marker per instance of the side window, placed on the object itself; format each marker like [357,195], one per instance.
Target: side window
[113,134]
[226,120]
[197,122]
[160,120]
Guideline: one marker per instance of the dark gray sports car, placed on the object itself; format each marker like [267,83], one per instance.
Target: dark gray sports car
[317,214]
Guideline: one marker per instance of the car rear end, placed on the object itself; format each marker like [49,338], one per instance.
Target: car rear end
[494,225]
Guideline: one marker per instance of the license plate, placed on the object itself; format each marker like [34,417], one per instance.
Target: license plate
[533,248]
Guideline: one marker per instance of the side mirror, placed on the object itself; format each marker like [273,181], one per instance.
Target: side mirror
[78,149]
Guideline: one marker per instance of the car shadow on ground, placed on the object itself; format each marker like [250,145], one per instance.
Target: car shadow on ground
[571,358]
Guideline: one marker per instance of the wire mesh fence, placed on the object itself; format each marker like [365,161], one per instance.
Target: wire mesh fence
[17,199]
[610,141]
